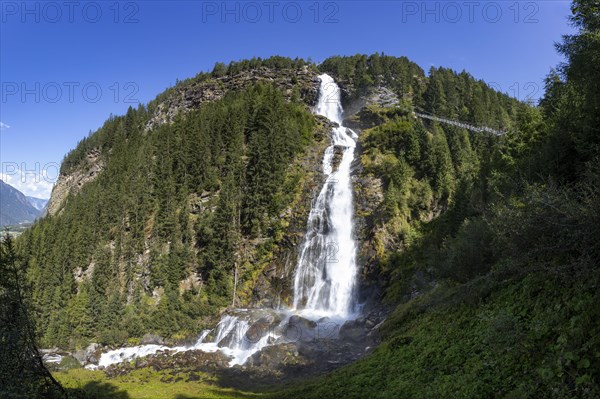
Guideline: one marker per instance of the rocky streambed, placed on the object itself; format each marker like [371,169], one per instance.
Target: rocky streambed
[308,348]
[304,348]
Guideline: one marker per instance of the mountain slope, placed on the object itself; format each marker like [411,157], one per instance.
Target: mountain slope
[170,213]
[15,207]
[167,215]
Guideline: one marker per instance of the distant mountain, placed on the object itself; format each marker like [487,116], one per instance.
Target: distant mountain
[15,207]
[37,203]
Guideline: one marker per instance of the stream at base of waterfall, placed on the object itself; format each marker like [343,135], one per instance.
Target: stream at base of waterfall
[325,276]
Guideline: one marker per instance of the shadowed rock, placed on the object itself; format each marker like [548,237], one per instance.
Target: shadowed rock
[300,329]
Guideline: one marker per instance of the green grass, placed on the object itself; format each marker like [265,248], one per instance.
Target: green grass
[534,338]
[145,383]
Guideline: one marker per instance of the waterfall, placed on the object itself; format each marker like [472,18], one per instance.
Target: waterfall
[325,275]
[326,271]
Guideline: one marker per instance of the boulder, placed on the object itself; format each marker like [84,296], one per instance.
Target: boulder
[327,328]
[317,349]
[299,329]
[275,356]
[260,328]
[91,354]
[152,339]
[374,335]
[353,330]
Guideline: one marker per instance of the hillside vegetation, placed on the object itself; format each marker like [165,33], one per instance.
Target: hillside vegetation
[498,296]
[171,204]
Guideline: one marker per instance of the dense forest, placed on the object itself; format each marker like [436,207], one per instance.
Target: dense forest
[361,72]
[485,247]
[232,156]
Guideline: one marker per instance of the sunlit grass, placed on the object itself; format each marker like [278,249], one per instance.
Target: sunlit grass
[146,383]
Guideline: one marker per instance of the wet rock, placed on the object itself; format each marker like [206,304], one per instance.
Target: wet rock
[53,352]
[354,330]
[327,329]
[374,336]
[228,340]
[141,362]
[260,328]
[300,329]
[91,354]
[338,153]
[205,360]
[314,349]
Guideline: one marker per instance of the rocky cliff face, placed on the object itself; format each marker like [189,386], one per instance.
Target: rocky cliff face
[366,112]
[379,96]
[72,183]
[188,97]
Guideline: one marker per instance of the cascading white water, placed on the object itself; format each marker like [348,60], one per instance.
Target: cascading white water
[326,271]
[230,329]
[325,275]
[130,353]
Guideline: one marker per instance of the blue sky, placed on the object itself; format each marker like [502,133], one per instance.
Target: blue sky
[65,67]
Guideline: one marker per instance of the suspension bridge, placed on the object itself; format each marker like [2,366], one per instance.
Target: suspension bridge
[467,126]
